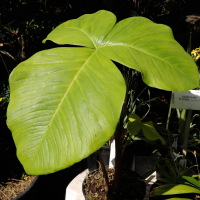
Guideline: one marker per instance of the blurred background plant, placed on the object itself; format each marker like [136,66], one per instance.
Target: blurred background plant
[188,188]
[167,157]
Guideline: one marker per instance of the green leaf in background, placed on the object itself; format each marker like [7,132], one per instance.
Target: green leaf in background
[192,181]
[178,198]
[171,168]
[150,132]
[172,189]
[164,173]
[65,103]
[164,180]
[135,124]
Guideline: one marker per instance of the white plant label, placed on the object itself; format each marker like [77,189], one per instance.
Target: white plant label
[175,142]
[189,100]
[183,162]
[112,155]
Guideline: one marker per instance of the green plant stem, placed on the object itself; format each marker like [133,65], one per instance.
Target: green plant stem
[104,172]
[118,156]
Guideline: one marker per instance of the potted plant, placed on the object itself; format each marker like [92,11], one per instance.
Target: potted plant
[66,102]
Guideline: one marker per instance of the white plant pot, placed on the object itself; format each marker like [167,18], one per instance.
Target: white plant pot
[74,189]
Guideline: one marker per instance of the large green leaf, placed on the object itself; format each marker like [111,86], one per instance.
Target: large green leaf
[136,42]
[65,103]
[88,30]
[151,49]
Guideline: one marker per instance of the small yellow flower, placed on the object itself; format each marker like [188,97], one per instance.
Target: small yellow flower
[198,56]
[195,54]
[1,99]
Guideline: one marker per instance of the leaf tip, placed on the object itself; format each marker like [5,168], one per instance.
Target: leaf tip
[44,41]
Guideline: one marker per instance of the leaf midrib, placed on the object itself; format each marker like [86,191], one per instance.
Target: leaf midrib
[61,103]
[142,52]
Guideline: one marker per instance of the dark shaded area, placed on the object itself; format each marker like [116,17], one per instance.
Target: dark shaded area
[53,186]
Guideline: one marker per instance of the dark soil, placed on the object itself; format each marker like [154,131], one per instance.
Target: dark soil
[11,188]
[132,187]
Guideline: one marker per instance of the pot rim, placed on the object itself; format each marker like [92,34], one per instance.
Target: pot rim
[27,189]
